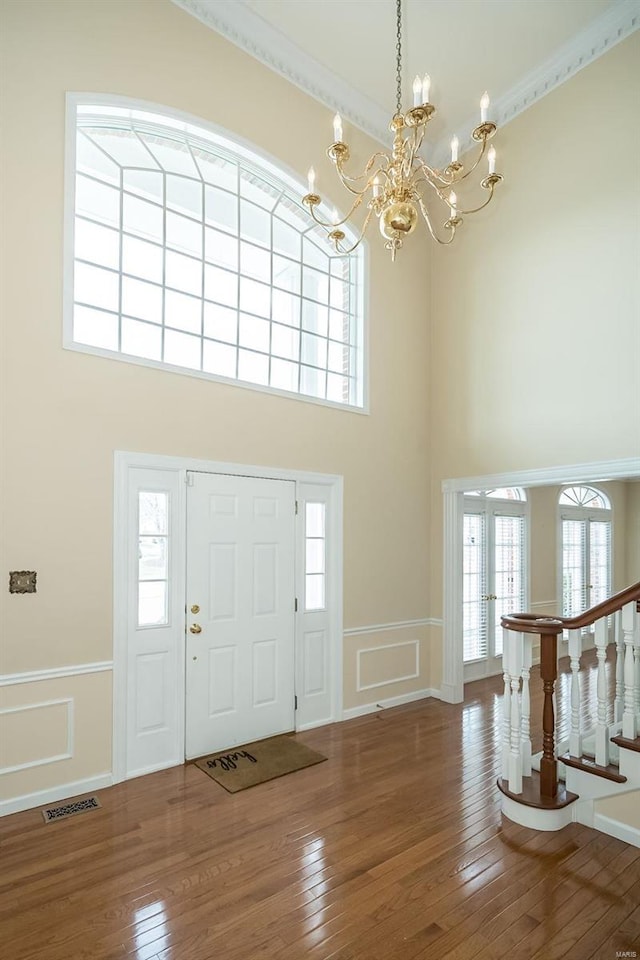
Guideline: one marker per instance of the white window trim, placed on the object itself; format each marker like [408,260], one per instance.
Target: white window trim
[243,147]
[124,464]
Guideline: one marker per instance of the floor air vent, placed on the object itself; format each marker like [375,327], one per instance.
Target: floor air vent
[70,809]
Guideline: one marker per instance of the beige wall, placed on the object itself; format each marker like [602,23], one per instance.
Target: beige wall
[632,533]
[535,351]
[66,412]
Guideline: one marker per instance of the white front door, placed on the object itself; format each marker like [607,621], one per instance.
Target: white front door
[240,610]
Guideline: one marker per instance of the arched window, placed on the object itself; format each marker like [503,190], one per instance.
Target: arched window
[585,521]
[192,252]
[586,497]
[500,493]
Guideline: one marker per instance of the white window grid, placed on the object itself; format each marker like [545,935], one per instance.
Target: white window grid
[315,351]
[153,558]
[315,565]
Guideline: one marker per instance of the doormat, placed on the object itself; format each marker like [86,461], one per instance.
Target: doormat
[70,809]
[254,763]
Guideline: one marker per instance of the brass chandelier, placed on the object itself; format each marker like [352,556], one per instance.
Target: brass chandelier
[394,187]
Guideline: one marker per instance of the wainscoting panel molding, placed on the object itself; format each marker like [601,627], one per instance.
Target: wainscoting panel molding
[67,747]
[413,648]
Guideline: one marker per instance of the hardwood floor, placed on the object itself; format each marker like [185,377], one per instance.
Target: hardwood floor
[395,849]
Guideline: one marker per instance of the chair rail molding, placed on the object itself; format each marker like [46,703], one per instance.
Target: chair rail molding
[55,673]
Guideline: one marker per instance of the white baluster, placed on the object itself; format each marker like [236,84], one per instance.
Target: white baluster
[618,706]
[515,755]
[525,733]
[506,705]
[575,652]
[602,727]
[629,630]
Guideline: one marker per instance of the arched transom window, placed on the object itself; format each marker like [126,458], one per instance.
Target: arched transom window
[190,251]
[587,497]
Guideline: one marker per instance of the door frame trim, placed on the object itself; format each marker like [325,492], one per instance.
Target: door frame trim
[124,462]
[452,686]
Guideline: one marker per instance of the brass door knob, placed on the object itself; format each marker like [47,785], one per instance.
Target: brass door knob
[195,628]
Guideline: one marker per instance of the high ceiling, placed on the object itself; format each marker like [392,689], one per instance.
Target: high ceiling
[343,51]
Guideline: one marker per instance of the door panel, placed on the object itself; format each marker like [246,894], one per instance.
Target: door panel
[240,574]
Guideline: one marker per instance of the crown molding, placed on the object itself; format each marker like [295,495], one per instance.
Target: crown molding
[242,26]
[257,37]
[618,22]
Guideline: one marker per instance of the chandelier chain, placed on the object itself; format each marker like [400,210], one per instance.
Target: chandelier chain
[398,56]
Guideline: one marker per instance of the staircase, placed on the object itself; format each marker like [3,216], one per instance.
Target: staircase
[591,776]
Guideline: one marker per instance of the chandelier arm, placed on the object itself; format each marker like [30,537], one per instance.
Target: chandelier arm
[482,205]
[436,188]
[345,177]
[360,238]
[433,176]
[425,214]
[327,224]
[483,150]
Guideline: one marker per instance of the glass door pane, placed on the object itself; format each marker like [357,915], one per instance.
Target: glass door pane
[599,561]
[574,582]
[508,574]
[474,608]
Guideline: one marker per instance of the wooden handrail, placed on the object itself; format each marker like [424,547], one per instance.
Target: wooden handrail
[531,623]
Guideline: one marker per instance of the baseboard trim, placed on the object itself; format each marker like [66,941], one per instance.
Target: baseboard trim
[388,702]
[617,829]
[62,792]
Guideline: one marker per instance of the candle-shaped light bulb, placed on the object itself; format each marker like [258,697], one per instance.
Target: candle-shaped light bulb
[484,106]
[453,202]
[426,88]
[376,186]
[491,157]
[417,92]
[335,216]
[337,128]
[311,179]
[455,144]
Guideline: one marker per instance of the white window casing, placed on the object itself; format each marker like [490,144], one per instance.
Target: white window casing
[187,250]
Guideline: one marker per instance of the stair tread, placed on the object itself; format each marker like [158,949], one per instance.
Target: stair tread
[530,796]
[610,772]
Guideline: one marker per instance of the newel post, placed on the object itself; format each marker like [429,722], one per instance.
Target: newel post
[548,674]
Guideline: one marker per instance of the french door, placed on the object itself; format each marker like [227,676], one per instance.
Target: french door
[494,579]
[240,610]
[586,563]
